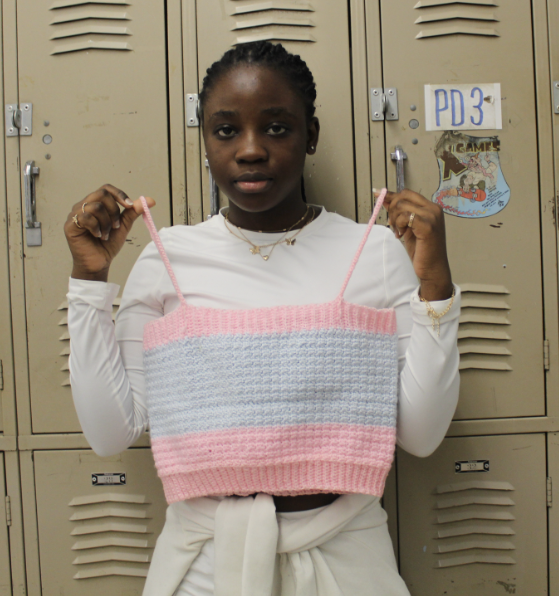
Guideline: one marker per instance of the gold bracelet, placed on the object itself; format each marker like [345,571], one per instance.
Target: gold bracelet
[436,316]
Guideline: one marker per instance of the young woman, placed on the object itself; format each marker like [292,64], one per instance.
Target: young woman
[285,350]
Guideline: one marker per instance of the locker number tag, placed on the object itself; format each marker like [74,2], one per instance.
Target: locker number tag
[115,478]
[463,107]
[480,465]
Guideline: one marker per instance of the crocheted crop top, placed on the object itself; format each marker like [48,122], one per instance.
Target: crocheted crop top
[309,407]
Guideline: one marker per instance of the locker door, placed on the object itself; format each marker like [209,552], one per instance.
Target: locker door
[5,319]
[495,259]
[96,76]
[319,33]
[473,517]
[98,520]
[5,572]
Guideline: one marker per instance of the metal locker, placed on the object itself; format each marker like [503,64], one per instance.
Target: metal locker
[98,520]
[496,259]
[320,34]
[93,76]
[5,519]
[473,517]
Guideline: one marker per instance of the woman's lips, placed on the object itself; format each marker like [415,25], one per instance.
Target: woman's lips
[251,186]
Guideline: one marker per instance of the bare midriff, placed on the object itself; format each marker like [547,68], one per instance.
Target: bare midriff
[303,502]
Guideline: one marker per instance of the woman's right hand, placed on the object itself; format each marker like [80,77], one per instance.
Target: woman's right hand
[103,230]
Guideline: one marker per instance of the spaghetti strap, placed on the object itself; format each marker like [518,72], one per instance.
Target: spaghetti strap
[374,216]
[148,220]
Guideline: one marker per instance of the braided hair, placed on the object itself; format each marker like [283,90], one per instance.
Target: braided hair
[264,53]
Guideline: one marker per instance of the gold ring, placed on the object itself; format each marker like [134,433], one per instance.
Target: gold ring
[410,222]
[75,220]
[83,206]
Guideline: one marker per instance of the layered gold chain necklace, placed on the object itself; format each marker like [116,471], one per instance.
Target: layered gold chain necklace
[256,249]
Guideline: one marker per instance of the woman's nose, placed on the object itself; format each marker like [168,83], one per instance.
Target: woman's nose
[250,149]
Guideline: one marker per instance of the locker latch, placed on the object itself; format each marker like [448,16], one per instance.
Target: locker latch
[384,104]
[19,120]
[556,97]
[8,511]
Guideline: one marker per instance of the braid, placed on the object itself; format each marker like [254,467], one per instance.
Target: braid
[266,54]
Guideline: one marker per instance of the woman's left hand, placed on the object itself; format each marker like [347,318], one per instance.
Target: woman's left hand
[424,240]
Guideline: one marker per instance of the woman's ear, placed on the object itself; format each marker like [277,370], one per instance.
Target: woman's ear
[313,131]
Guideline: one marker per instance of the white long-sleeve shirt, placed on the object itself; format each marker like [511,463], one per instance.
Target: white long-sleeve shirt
[216,269]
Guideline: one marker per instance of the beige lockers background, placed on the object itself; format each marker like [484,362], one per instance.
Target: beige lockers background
[108,81]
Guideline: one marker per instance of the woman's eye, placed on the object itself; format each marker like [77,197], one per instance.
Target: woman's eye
[276,129]
[226,131]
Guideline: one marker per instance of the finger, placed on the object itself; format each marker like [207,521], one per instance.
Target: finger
[107,198]
[389,196]
[426,210]
[129,216]
[139,208]
[100,212]
[119,195]
[402,222]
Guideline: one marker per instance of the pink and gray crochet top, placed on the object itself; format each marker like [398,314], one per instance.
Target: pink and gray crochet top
[307,404]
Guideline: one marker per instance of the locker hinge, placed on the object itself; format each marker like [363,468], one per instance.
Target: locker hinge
[1,376]
[8,511]
[384,104]
[19,119]
[192,109]
[546,354]
[549,492]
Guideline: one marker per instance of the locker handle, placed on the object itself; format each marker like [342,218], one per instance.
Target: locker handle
[32,226]
[399,156]
[214,193]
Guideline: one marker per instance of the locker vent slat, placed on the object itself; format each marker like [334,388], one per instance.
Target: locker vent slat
[447,518]
[472,532]
[79,26]
[110,541]
[112,554]
[111,536]
[477,558]
[484,339]
[65,337]
[471,544]
[460,29]
[429,3]
[275,20]
[469,529]
[273,5]
[449,17]
[91,29]
[101,527]
[67,3]
[471,485]
[108,570]
[474,500]
[107,498]
[455,13]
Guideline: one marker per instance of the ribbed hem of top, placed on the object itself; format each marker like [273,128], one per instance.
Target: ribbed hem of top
[289,479]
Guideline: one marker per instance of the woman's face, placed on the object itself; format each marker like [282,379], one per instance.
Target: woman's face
[257,135]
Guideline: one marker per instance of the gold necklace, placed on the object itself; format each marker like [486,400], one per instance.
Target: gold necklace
[255,249]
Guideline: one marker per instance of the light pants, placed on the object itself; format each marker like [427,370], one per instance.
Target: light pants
[242,547]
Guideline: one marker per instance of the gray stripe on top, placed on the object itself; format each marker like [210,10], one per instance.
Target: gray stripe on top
[310,377]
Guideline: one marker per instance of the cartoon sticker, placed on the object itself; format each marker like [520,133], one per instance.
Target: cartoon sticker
[471,180]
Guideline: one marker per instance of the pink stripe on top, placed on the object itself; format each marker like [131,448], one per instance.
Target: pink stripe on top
[198,321]
[272,456]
